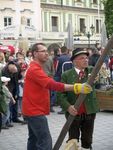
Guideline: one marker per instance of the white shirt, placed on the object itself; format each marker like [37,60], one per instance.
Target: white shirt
[77,70]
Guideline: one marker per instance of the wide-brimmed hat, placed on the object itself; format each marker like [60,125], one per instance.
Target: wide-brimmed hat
[5,79]
[78,51]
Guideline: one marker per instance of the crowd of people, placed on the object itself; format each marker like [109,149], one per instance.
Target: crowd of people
[30,82]
[12,70]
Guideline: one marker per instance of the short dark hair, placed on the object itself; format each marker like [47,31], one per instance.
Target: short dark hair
[64,49]
[19,53]
[27,53]
[35,46]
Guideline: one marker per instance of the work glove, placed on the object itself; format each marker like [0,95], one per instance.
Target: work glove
[84,88]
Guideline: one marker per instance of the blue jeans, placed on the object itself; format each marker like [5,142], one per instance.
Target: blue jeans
[19,104]
[6,117]
[39,134]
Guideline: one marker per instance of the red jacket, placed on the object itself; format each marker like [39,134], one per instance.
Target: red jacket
[36,91]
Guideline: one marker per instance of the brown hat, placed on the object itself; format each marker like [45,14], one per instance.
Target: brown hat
[78,51]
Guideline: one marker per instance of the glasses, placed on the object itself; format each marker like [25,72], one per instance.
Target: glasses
[43,51]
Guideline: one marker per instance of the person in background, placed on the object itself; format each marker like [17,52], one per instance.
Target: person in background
[10,58]
[94,57]
[83,124]
[106,59]
[36,99]
[110,64]
[104,77]
[8,99]
[63,63]
[28,57]
[7,54]
[55,53]
[90,51]
[20,94]
[2,61]
[49,69]
[12,71]
[64,57]
[1,105]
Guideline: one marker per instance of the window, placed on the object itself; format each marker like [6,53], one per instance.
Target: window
[98,25]
[55,24]
[79,0]
[51,1]
[82,24]
[28,22]
[94,1]
[7,21]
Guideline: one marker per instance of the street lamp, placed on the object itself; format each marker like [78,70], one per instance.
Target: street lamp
[89,33]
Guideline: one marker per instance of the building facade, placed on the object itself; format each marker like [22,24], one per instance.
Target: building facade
[19,19]
[86,17]
[47,20]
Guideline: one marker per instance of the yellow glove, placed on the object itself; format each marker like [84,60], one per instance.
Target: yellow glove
[84,88]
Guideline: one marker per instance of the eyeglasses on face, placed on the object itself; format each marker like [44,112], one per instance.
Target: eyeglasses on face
[43,51]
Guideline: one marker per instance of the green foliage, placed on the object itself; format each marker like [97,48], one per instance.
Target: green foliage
[108,9]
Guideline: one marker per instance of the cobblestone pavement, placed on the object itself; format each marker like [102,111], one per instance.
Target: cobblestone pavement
[15,138]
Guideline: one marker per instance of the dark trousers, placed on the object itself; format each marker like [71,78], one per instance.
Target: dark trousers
[14,111]
[0,121]
[52,98]
[82,126]
[39,134]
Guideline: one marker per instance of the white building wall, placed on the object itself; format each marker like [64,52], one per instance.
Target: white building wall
[20,11]
[37,16]
[89,16]
[17,21]
[48,22]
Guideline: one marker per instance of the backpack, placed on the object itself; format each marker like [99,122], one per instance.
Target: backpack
[3,105]
[66,66]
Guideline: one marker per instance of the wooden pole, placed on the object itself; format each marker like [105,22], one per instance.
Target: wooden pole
[81,97]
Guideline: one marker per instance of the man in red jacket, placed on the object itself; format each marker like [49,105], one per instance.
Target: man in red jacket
[36,103]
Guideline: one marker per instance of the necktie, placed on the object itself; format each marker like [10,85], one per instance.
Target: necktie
[82,107]
[81,74]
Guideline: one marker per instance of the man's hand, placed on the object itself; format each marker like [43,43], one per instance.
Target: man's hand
[72,110]
[84,88]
